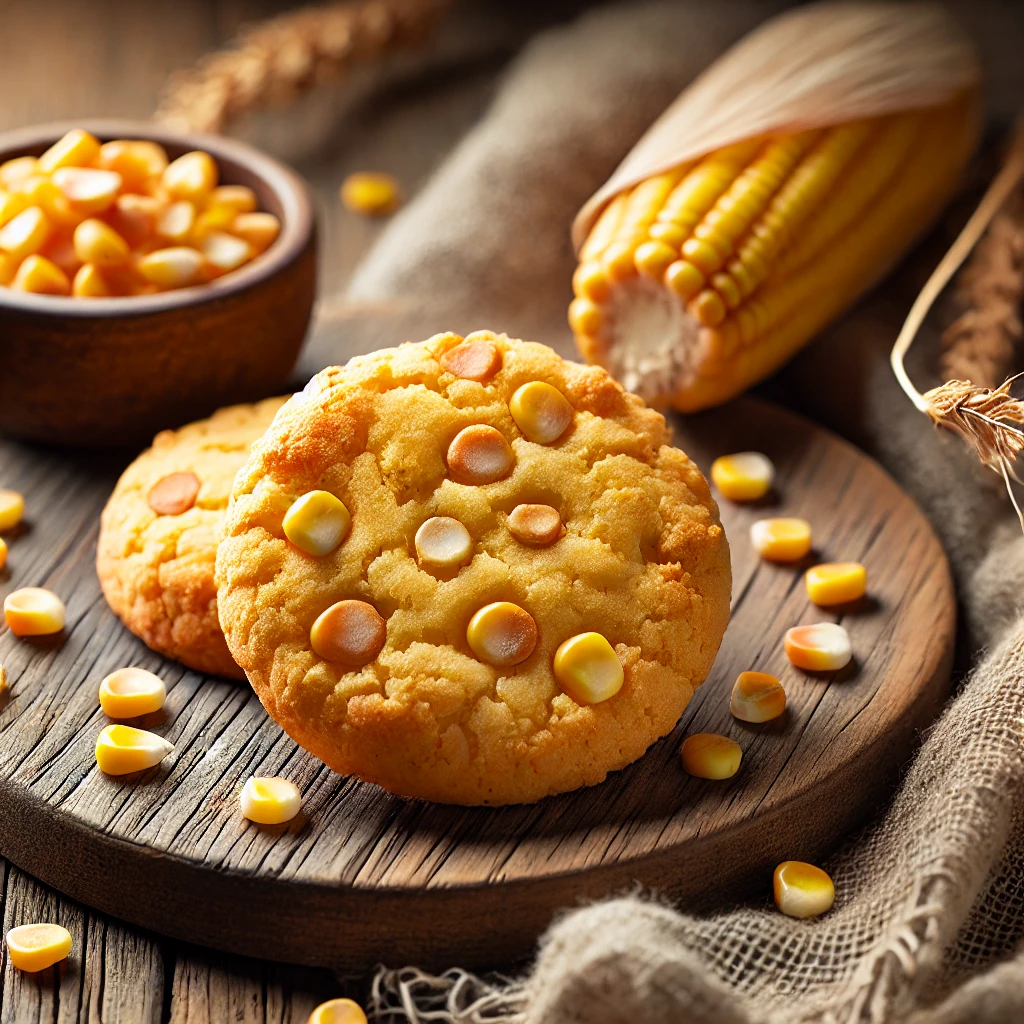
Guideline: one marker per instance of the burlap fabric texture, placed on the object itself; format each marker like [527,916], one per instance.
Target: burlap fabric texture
[930,905]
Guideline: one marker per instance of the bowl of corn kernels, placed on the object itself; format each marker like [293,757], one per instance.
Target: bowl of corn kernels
[146,277]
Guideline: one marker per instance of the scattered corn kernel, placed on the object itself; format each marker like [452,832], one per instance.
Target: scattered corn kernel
[479,455]
[836,583]
[538,525]
[174,494]
[337,1011]
[33,611]
[121,750]
[443,542]
[802,890]
[473,360]
[89,283]
[192,176]
[371,193]
[3,681]
[25,234]
[540,411]
[270,801]
[98,243]
[781,540]
[3,552]
[260,230]
[77,148]
[502,634]
[588,669]
[224,252]
[745,476]
[349,632]
[131,692]
[757,697]
[88,189]
[707,755]
[176,267]
[12,508]
[822,647]
[41,276]
[34,947]
[317,523]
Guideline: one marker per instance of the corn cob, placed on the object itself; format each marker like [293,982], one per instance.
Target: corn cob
[697,282]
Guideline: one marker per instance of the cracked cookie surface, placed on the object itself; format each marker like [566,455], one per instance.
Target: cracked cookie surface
[641,558]
[159,531]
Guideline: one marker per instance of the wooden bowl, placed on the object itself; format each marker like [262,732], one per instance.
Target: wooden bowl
[113,372]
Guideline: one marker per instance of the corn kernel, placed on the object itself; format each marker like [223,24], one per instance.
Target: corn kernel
[212,219]
[60,250]
[684,279]
[589,282]
[12,508]
[745,476]
[33,611]
[473,360]
[89,283]
[174,494]
[76,149]
[781,540]
[588,669]
[708,308]
[89,189]
[4,686]
[617,260]
[317,523]
[121,750]
[176,222]
[372,194]
[836,583]
[585,317]
[822,647]
[443,542]
[270,801]
[707,755]
[99,244]
[131,692]
[238,198]
[3,555]
[654,258]
[349,632]
[34,947]
[26,233]
[337,1011]
[537,525]
[479,455]
[39,275]
[192,176]
[802,890]
[136,160]
[11,204]
[224,253]
[8,268]
[541,412]
[42,192]
[135,217]
[176,267]
[260,230]
[502,634]
[757,697]
[14,172]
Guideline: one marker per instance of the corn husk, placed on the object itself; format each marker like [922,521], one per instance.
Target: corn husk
[817,66]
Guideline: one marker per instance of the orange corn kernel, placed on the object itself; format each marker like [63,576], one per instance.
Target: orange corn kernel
[33,611]
[707,755]
[822,647]
[43,277]
[836,583]
[757,697]
[34,947]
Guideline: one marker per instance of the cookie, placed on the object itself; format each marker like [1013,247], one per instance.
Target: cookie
[159,532]
[393,580]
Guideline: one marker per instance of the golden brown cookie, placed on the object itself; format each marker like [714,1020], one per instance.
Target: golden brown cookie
[159,531]
[405,618]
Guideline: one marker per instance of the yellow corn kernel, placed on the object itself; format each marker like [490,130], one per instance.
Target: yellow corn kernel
[836,583]
[349,632]
[706,755]
[76,149]
[26,233]
[654,258]
[317,523]
[337,1011]
[703,256]
[135,217]
[669,233]
[14,172]
[270,801]
[176,267]
[98,243]
[8,268]
[175,223]
[708,308]
[443,542]
[585,317]
[121,750]
[239,198]
[802,890]
[745,476]
[41,276]
[781,540]
[684,279]
[757,697]
[3,672]
[42,192]
[33,611]
[588,669]
[11,204]
[34,947]
[617,260]
[214,218]
[479,455]
[131,692]
[371,193]
[541,412]
[89,190]
[192,176]
[502,634]
[3,561]
[224,252]
[588,281]
[89,283]
[136,160]
[260,230]
[12,508]
[821,647]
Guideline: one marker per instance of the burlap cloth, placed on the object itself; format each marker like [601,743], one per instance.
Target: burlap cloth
[930,898]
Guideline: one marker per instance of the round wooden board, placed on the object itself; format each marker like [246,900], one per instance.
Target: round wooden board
[366,877]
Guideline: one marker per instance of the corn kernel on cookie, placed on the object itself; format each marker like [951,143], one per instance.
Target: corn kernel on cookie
[159,530]
[472,572]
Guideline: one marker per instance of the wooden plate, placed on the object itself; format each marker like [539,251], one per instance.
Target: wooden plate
[367,877]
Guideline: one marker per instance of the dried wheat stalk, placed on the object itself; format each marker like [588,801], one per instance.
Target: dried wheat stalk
[273,61]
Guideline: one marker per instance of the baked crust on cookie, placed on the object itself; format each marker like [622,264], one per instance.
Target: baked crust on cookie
[159,532]
[641,559]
